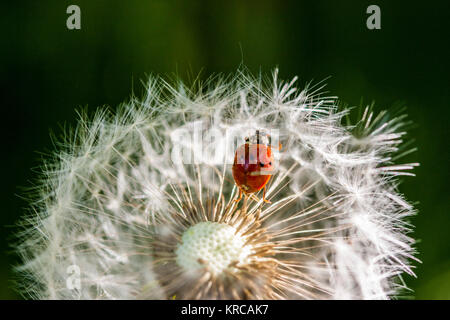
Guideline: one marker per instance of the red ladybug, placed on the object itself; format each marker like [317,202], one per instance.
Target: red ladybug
[253,165]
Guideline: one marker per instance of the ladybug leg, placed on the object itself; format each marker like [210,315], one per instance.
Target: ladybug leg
[240,196]
[264,196]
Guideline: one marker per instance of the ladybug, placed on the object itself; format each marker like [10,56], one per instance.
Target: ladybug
[253,165]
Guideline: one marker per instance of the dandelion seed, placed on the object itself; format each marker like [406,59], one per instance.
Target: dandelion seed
[143,202]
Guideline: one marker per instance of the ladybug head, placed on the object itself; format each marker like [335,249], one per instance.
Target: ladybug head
[260,137]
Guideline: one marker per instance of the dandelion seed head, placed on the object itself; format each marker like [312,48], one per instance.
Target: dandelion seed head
[142,201]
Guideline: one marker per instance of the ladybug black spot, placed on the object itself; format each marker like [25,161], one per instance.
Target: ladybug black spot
[261,164]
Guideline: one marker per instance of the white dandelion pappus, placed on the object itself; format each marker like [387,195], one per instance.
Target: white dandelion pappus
[143,201]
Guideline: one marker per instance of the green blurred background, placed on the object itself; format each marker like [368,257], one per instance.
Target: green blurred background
[48,71]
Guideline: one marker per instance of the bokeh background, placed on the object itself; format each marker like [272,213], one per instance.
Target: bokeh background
[48,71]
